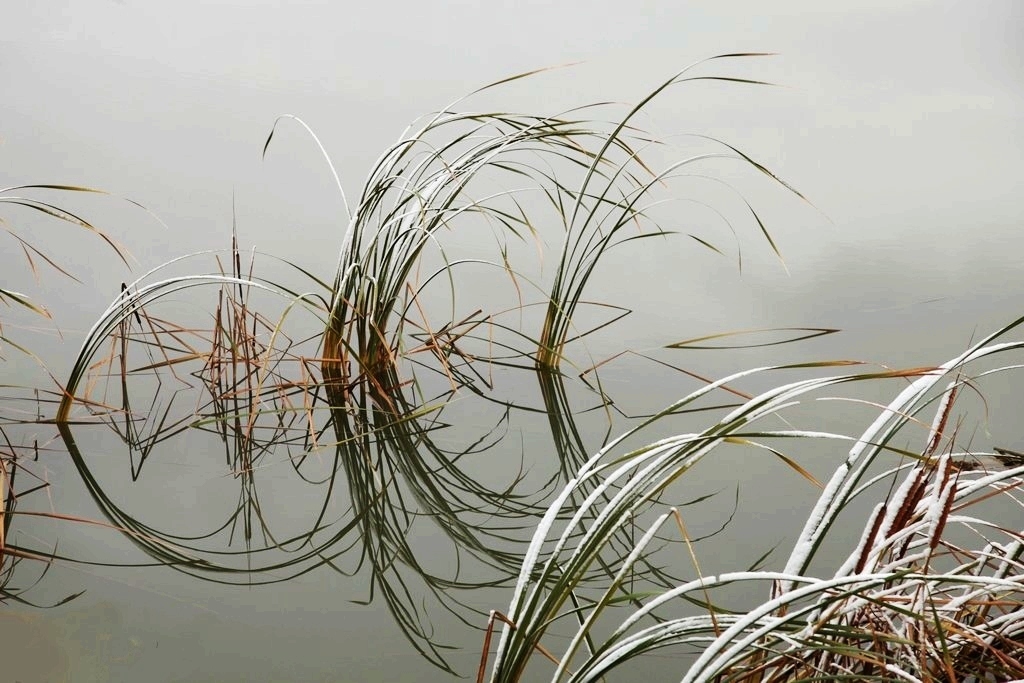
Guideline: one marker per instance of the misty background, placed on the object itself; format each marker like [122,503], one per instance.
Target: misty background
[900,122]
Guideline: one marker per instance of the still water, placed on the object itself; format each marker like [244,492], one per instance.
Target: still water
[908,243]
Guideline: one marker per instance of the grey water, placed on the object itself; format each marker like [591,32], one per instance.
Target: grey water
[901,126]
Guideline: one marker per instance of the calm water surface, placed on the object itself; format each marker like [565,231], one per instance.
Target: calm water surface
[909,154]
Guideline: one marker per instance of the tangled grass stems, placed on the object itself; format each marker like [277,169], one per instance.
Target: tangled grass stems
[37,200]
[261,395]
[265,391]
[15,459]
[908,602]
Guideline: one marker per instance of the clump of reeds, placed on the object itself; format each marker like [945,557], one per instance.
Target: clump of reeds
[272,389]
[256,393]
[931,592]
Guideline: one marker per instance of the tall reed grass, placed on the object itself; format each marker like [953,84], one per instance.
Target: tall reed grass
[379,374]
[347,387]
[930,592]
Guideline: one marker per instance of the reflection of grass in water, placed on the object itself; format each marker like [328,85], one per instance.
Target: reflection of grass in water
[346,388]
[20,477]
[916,599]
[273,401]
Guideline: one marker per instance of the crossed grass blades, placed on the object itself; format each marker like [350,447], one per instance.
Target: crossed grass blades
[345,385]
[25,209]
[344,389]
[933,590]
